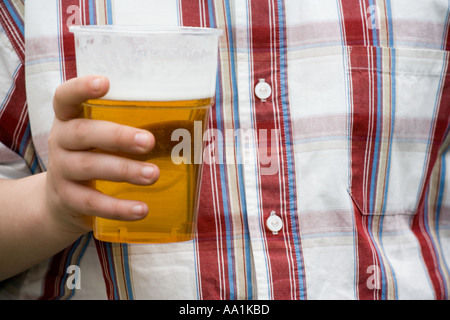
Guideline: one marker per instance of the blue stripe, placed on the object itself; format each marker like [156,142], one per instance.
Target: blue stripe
[393,108]
[17,20]
[375,164]
[109,12]
[248,52]
[390,25]
[229,237]
[374,30]
[373,178]
[289,152]
[438,214]
[2,105]
[25,140]
[33,165]
[58,8]
[444,39]
[248,253]
[378,127]
[127,272]
[92,18]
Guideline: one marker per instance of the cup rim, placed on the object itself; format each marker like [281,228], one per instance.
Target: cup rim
[143,29]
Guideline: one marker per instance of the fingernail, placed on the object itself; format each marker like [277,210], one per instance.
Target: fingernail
[147,172]
[141,139]
[96,84]
[138,209]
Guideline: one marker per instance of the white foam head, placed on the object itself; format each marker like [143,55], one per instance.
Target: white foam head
[150,64]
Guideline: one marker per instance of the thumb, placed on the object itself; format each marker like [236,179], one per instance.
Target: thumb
[70,94]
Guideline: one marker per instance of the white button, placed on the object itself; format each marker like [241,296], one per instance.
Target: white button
[274,223]
[263,90]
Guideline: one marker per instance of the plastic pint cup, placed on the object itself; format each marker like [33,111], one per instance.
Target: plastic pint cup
[162,80]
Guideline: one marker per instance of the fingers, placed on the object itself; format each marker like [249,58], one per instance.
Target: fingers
[70,173]
[69,95]
[81,198]
[104,135]
[72,164]
[85,166]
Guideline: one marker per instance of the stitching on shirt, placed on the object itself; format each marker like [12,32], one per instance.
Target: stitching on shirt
[386,213]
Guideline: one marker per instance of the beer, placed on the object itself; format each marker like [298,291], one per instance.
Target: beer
[162,79]
[172,200]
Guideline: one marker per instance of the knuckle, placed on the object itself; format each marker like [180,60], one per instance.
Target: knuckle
[115,211]
[119,134]
[80,128]
[123,168]
[92,202]
[85,163]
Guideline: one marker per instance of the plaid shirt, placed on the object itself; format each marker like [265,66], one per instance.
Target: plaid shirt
[331,117]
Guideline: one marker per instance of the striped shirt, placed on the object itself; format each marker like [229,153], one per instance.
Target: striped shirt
[348,153]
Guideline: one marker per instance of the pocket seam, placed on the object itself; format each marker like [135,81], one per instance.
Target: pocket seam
[389,213]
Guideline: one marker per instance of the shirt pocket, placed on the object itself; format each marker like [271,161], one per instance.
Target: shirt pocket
[399,104]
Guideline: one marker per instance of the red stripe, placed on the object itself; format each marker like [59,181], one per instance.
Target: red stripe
[104,259]
[14,119]
[68,16]
[439,134]
[364,122]
[86,13]
[361,60]
[271,186]
[355,22]
[194,13]
[274,187]
[427,248]
[56,275]
[14,34]
[367,259]
[446,44]
[211,238]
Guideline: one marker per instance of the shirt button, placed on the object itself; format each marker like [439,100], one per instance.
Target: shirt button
[274,223]
[263,90]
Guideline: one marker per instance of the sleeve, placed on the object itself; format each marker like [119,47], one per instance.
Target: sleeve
[17,156]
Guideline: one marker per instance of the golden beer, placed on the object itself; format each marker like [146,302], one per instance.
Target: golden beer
[162,79]
[172,199]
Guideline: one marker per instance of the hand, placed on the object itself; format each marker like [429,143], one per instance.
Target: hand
[71,165]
